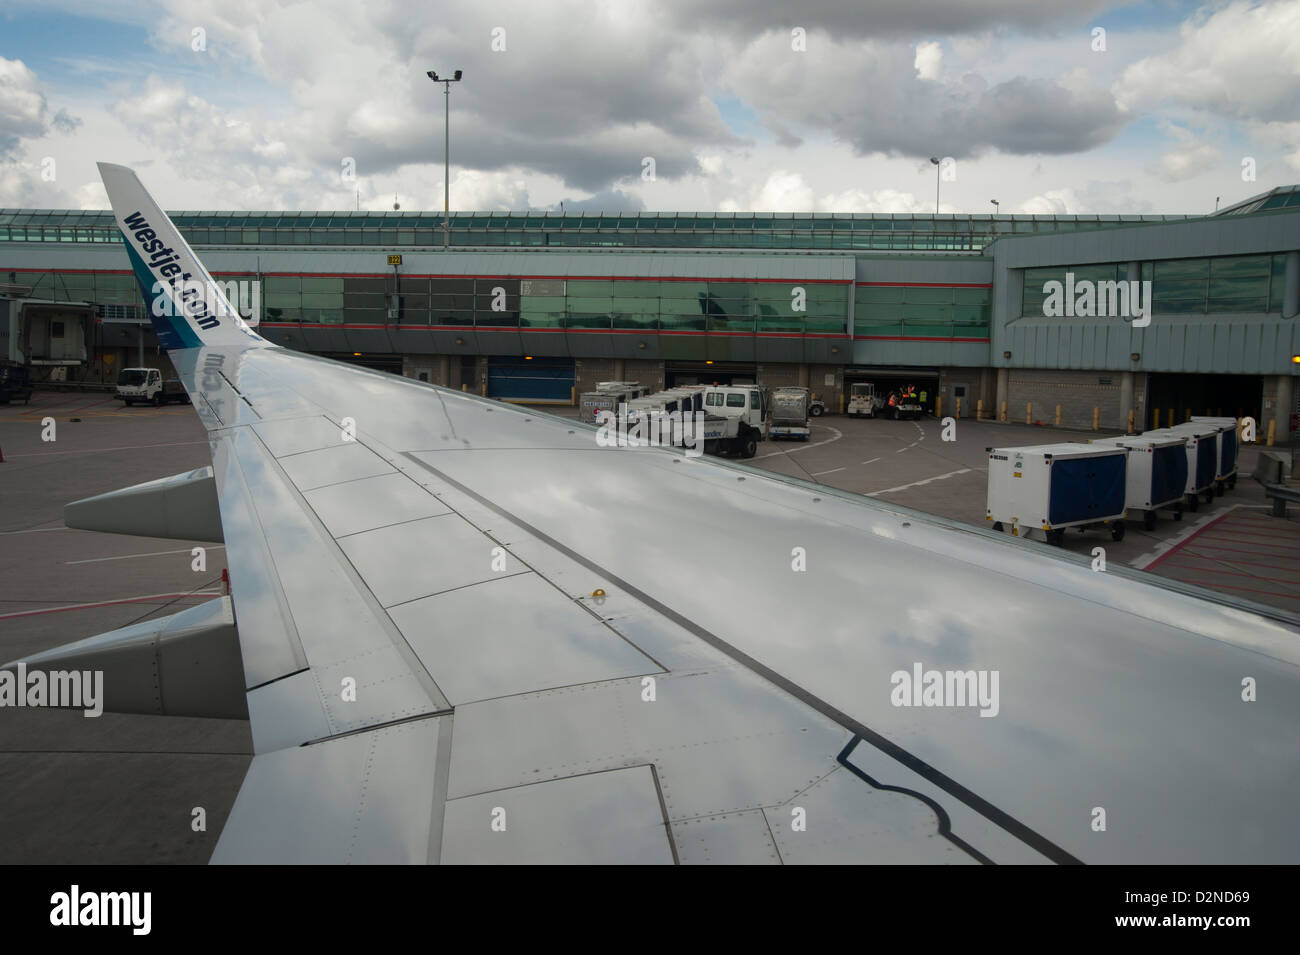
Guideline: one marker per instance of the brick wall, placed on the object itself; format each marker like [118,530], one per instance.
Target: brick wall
[1077,392]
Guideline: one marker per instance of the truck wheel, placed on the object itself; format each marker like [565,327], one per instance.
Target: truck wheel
[157,400]
[1149,520]
[1117,531]
[816,411]
[748,446]
[997,526]
[1218,489]
[1056,537]
[1209,495]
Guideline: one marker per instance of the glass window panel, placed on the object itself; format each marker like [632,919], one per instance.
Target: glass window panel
[330,300]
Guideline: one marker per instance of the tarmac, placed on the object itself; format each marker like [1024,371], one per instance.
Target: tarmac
[124,789]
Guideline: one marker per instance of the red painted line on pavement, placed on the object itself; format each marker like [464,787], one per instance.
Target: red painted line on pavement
[1215,585]
[1176,548]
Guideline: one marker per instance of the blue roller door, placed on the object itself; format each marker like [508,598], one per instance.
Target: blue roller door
[531,379]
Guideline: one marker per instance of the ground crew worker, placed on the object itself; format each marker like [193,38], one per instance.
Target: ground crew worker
[923,397]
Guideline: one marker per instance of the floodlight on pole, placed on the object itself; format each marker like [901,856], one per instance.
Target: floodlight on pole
[935,160]
[446,150]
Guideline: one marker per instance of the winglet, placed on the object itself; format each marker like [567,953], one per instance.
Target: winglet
[188,309]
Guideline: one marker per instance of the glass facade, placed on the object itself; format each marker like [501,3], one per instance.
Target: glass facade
[1238,283]
[611,304]
[922,311]
[646,230]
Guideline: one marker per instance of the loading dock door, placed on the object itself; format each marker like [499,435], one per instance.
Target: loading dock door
[542,380]
[1231,396]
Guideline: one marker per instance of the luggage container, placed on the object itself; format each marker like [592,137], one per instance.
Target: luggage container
[790,414]
[1157,474]
[1050,487]
[1202,451]
[1226,473]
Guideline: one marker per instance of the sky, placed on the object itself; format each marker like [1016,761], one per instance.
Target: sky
[1047,106]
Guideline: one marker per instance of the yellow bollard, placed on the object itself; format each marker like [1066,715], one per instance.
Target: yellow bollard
[1096,419]
[464,387]
[979,410]
[1058,416]
[1189,415]
[1171,417]
[573,397]
[938,406]
[1029,412]
[958,407]
[1003,416]
[1272,429]
[1131,414]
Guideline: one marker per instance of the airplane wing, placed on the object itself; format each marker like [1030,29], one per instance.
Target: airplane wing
[469,633]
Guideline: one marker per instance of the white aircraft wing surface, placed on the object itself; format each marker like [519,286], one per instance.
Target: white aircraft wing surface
[469,633]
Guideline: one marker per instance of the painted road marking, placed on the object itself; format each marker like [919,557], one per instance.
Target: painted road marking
[156,553]
[152,598]
[804,447]
[831,471]
[904,487]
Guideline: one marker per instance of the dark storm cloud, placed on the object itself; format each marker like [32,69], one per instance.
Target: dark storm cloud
[909,116]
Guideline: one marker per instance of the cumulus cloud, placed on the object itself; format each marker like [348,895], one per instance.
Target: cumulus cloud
[24,112]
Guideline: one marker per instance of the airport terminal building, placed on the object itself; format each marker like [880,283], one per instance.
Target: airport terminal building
[1098,316]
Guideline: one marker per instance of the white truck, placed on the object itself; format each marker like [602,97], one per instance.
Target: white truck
[863,400]
[735,416]
[146,386]
[790,410]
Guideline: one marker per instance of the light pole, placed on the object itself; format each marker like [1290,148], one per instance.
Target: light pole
[936,184]
[996,205]
[446,151]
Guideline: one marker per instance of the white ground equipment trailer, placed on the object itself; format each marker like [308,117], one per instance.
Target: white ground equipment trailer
[1157,474]
[1051,487]
[790,410]
[1225,473]
[1202,460]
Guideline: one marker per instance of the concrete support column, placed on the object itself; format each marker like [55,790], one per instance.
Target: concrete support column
[1291,286]
[444,370]
[1003,375]
[620,370]
[1126,400]
[803,374]
[1283,402]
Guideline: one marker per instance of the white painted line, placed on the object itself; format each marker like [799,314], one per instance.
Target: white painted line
[904,487]
[804,447]
[151,598]
[129,447]
[831,471]
[156,553]
[872,461]
[36,530]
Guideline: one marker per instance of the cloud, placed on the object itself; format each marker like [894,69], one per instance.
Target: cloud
[24,112]
[929,60]
[870,96]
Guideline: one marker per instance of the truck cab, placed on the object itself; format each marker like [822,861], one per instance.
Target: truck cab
[747,403]
[146,386]
[863,400]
